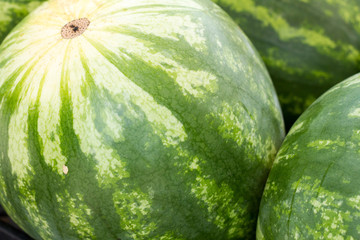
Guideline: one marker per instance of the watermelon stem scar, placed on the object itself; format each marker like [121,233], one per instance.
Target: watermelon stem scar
[74,28]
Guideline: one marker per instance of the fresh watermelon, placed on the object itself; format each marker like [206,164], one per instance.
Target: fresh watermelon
[134,119]
[313,190]
[307,46]
[12,12]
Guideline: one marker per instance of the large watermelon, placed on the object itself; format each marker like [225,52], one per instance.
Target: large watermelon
[307,46]
[12,12]
[313,190]
[134,119]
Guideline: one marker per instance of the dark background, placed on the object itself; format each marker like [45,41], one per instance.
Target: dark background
[9,230]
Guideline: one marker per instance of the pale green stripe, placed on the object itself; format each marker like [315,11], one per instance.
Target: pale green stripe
[286,32]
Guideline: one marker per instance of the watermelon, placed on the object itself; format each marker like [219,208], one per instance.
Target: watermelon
[313,190]
[134,119]
[307,46]
[12,12]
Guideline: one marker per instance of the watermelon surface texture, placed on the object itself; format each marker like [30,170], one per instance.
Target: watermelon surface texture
[12,12]
[138,120]
[307,46]
[313,190]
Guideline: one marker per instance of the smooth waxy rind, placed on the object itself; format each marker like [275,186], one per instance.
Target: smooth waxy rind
[12,12]
[159,121]
[313,188]
[307,46]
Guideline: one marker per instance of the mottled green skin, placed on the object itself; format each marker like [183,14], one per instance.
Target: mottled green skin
[313,190]
[307,45]
[12,12]
[162,112]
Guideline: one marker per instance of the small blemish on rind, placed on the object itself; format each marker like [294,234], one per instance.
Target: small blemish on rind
[65,169]
[74,28]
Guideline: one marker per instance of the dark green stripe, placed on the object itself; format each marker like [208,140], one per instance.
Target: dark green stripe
[222,155]
[297,90]
[46,178]
[9,106]
[147,159]
[243,84]
[82,169]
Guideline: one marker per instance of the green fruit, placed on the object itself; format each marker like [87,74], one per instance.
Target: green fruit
[313,190]
[12,12]
[307,46]
[157,120]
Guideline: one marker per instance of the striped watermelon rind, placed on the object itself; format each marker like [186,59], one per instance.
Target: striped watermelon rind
[313,189]
[307,46]
[12,12]
[160,121]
